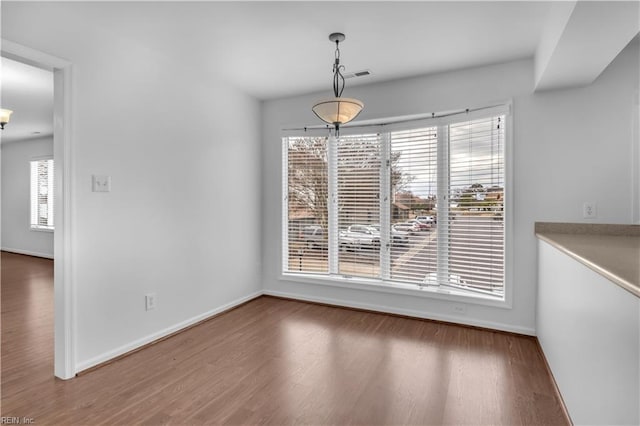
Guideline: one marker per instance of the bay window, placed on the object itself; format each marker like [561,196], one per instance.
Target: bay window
[418,204]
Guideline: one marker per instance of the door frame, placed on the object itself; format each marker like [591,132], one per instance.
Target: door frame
[63,282]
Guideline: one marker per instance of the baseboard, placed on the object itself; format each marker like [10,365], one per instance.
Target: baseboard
[406,312]
[27,252]
[136,345]
[553,380]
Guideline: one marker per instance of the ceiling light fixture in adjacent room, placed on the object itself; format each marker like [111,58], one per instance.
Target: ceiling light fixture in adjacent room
[5,114]
[338,111]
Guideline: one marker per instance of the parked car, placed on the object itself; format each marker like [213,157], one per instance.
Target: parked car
[314,237]
[406,227]
[359,237]
[398,237]
[421,226]
[426,219]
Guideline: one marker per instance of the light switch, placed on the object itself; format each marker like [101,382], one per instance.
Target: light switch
[101,183]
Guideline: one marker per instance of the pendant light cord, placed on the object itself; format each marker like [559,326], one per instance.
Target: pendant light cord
[338,78]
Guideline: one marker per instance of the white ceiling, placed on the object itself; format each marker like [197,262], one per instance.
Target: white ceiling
[393,41]
[278,49]
[28,92]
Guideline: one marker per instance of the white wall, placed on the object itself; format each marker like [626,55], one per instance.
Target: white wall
[569,146]
[182,148]
[196,193]
[17,235]
[589,329]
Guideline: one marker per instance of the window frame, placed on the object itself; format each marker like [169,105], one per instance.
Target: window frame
[410,289]
[51,191]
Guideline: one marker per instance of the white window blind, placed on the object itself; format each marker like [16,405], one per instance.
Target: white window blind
[42,174]
[358,205]
[413,172]
[306,204]
[417,206]
[476,213]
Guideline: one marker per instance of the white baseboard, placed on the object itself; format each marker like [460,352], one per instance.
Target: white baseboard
[28,252]
[84,365]
[407,312]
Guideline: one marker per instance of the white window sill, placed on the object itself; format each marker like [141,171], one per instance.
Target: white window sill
[40,229]
[357,283]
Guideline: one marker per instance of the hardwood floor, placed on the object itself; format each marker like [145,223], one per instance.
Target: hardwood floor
[275,361]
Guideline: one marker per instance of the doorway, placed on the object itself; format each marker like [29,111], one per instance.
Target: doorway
[63,292]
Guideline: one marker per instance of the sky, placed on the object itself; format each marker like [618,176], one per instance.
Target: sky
[475,152]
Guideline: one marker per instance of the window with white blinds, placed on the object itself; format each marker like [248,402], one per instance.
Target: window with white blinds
[413,191]
[421,207]
[358,205]
[476,214]
[42,173]
[306,178]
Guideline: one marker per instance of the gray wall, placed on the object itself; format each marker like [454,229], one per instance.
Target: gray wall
[569,146]
[17,235]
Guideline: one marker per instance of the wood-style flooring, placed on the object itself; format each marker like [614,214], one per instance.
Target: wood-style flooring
[275,361]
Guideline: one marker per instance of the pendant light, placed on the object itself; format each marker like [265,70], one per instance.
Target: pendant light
[337,111]
[5,114]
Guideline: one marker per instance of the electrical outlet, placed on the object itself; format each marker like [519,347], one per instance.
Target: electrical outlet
[589,210]
[150,301]
[460,309]
[101,183]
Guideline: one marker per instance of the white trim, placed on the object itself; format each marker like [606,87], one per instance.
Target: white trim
[28,252]
[442,231]
[635,160]
[284,252]
[104,357]
[41,228]
[42,157]
[64,237]
[32,57]
[407,312]
[509,211]
[332,205]
[375,285]
[384,190]
[64,272]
